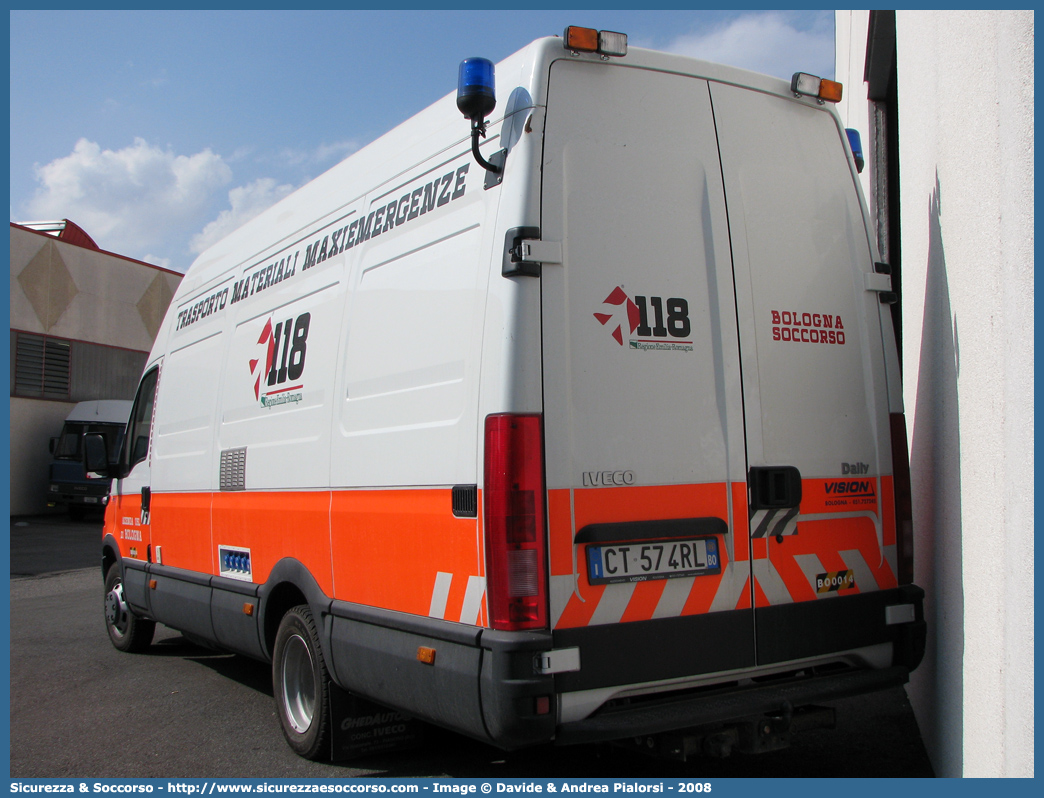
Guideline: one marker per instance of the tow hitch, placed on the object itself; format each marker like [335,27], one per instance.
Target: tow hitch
[754,735]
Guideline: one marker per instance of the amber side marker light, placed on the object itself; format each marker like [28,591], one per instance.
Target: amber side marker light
[589,40]
[426,655]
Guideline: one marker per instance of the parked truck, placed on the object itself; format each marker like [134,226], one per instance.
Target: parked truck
[69,485]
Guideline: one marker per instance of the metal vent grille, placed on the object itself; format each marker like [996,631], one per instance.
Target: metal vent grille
[465,501]
[233,469]
[41,366]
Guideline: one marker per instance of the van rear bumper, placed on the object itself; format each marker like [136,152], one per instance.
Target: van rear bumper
[642,652]
[714,706]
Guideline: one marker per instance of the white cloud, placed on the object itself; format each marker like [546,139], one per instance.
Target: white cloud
[247,202]
[131,199]
[773,43]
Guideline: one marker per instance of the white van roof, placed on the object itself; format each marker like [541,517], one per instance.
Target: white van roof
[331,191]
[102,411]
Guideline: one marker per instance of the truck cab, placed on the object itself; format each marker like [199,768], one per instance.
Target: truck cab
[69,484]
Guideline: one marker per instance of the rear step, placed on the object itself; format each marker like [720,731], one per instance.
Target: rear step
[754,701]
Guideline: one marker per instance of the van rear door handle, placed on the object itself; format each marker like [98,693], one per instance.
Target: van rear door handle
[774,487]
[775,497]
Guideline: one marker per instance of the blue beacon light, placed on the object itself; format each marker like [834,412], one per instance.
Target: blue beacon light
[857,147]
[476,99]
[476,94]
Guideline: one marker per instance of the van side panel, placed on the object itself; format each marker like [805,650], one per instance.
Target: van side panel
[404,409]
[406,424]
[273,525]
[181,524]
[184,435]
[276,388]
[404,550]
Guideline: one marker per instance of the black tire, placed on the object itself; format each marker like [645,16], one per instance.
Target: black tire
[126,630]
[301,685]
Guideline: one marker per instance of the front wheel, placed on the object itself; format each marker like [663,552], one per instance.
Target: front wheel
[301,684]
[127,631]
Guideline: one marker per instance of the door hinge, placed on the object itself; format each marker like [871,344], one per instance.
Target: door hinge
[560,660]
[524,252]
[537,251]
[882,284]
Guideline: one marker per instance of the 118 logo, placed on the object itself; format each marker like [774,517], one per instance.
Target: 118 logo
[674,324]
[286,347]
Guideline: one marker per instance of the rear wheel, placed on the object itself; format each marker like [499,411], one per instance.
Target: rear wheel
[127,631]
[301,684]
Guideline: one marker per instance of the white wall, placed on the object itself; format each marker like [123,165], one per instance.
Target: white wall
[965,83]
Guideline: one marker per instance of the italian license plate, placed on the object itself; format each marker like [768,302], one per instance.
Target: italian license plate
[663,559]
[90,499]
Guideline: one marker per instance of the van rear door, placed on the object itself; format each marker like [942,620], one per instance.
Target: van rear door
[714,325]
[814,391]
[644,444]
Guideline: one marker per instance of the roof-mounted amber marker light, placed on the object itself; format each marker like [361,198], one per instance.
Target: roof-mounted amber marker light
[606,43]
[825,91]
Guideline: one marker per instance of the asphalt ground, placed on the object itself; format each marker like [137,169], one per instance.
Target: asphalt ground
[80,708]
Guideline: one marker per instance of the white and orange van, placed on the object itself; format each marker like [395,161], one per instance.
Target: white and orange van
[586,425]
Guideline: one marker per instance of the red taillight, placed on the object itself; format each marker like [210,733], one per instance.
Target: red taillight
[513,495]
[903,501]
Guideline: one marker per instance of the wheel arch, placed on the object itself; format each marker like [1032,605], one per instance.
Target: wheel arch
[290,583]
[110,555]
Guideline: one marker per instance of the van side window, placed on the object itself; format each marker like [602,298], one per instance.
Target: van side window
[136,444]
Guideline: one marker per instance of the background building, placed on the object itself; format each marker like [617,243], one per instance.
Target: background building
[82,324]
[944,103]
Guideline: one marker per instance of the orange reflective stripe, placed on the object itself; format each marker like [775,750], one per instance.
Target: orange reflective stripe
[744,599]
[740,525]
[644,600]
[389,545]
[122,516]
[704,588]
[181,525]
[577,612]
[560,546]
[637,503]
[649,503]
[382,548]
[793,577]
[273,526]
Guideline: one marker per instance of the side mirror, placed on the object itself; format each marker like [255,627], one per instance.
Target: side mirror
[96,456]
[52,445]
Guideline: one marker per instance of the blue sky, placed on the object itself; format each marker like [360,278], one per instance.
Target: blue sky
[160,132]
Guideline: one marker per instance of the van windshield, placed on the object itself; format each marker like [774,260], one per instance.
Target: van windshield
[70,443]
